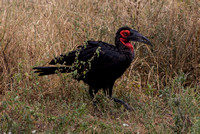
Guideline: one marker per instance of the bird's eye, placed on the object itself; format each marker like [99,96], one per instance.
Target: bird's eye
[125,33]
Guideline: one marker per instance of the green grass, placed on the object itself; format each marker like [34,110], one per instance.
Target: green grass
[162,85]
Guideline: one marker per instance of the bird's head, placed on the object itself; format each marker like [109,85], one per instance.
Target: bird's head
[125,34]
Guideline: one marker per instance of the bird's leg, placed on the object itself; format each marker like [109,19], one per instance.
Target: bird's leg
[118,100]
[110,89]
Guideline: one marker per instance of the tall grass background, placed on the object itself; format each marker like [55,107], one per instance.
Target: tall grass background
[161,84]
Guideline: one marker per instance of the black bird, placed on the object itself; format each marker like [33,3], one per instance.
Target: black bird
[98,63]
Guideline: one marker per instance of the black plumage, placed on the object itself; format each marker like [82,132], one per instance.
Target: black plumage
[98,63]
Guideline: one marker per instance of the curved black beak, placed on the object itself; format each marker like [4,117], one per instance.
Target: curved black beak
[138,37]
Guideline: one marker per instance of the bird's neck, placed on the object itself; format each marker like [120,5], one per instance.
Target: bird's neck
[127,44]
[123,44]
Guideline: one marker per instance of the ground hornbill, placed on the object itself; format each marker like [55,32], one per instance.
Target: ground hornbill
[98,63]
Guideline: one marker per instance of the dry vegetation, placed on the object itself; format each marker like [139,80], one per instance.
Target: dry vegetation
[162,85]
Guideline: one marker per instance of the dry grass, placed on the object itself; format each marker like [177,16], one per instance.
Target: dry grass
[163,84]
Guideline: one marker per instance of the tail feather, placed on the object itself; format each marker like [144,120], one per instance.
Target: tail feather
[50,70]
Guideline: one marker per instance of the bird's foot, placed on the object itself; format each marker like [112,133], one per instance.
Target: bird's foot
[129,108]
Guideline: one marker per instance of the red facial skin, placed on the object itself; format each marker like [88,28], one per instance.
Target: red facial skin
[125,34]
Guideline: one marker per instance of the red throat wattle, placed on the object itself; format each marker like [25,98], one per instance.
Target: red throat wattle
[127,43]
